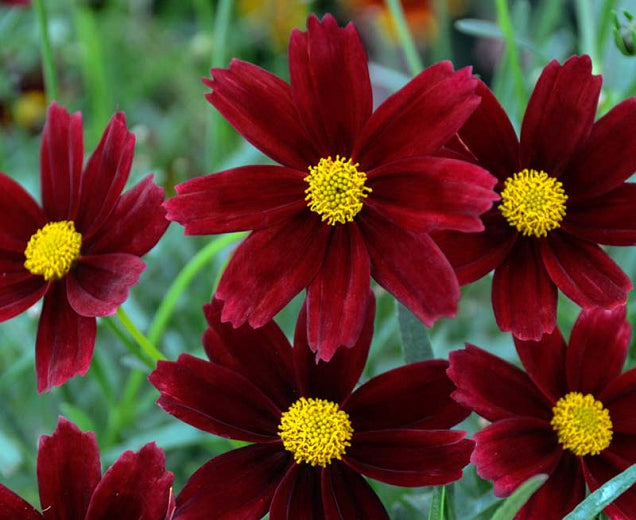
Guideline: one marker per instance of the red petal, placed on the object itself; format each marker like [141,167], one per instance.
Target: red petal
[524,297]
[260,107]
[298,495]
[136,487]
[271,267]
[584,272]
[245,198]
[597,351]
[494,388]
[68,471]
[559,115]
[264,356]
[411,267]
[609,219]
[336,296]
[20,216]
[474,255]
[345,495]
[105,176]
[430,193]
[336,379]
[100,283]
[490,136]
[419,118]
[13,506]
[215,399]
[19,291]
[330,84]
[236,485]
[510,451]
[544,361]
[607,160]
[415,396]
[619,397]
[61,157]
[65,340]
[135,225]
[410,457]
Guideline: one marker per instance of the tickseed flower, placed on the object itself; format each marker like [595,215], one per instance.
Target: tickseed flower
[563,191]
[71,484]
[355,195]
[571,414]
[312,435]
[81,250]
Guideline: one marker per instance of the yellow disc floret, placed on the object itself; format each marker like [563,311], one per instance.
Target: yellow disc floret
[53,249]
[336,190]
[315,431]
[582,424]
[533,202]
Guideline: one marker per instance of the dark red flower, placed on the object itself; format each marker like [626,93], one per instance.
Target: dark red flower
[563,191]
[312,434]
[16,2]
[356,195]
[81,250]
[572,415]
[135,487]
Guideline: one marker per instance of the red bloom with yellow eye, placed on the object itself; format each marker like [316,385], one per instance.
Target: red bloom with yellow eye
[563,189]
[312,434]
[356,193]
[572,414]
[81,250]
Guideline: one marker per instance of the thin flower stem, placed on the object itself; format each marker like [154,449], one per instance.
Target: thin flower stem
[50,78]
[181,282]
[406,38]
[443,47]
[585,17]
[146,346]
[505,24]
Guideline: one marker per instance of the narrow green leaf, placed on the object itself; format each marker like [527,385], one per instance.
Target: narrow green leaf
[416,345]
[604,496]
[515,502]
[479,28]
[436,512]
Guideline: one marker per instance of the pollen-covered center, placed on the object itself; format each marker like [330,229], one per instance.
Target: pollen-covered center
[533,202]
[582,424]
[336,190]
[53,249]
[315,431]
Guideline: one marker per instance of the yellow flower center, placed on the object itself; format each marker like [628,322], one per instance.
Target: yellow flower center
[582,424]
[53,249]
[533,202]
[315,431]
[336,189]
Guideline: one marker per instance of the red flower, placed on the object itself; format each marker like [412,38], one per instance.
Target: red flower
[81,250]
[572,415]
[72,487]
[356,195]
[563,191]
[312,434]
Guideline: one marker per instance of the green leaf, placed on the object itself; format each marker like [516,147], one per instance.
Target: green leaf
[436,512]
[515,502]
[603,496]
[416,345]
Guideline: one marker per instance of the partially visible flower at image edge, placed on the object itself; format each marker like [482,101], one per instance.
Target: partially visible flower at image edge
[72,487]
[572,414]
[355,196]
[81,250]
[312,434]
[564,190]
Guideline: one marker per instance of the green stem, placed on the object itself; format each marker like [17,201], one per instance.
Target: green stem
[406,38]
[50,79]
[585,17]
[145,345]
[169,302]
[443,47]
[505,24]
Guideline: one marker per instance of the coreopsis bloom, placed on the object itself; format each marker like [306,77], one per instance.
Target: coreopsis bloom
[563,191]
[572,414]
[312,434]
[356,193]
[137,486]
[81,250]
